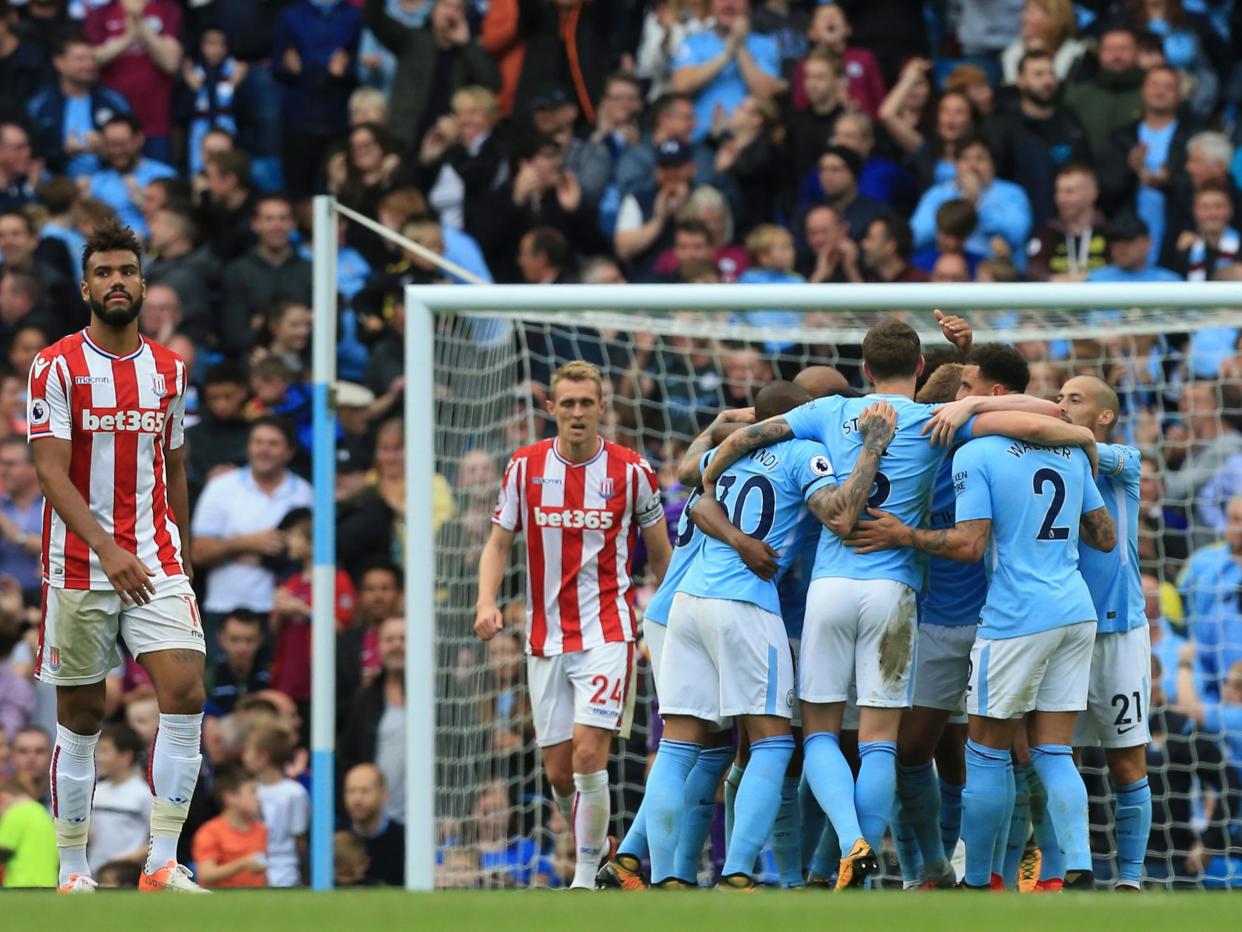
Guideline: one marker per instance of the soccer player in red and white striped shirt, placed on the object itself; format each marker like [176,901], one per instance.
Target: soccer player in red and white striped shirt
[581,502]
[105,421]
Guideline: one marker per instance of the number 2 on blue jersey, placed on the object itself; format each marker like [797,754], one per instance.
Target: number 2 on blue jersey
[767,508]
[687,532]
[883,488]
[1047,531]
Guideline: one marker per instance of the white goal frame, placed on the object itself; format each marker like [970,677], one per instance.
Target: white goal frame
[422,304]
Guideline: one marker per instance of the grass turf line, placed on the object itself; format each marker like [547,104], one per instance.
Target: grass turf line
[501,911]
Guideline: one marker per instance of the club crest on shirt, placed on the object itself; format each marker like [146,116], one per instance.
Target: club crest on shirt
[158,383]
[53,659]
[607,488]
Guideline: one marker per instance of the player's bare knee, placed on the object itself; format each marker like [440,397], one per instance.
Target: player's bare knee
[181,696]
[1127,765]
[81,708]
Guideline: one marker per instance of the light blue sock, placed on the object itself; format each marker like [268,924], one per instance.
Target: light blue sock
[909,857]
[787,834]
[985,808]
[758,799]
[1133,814]
[635,841]
[813,822]
[826,860]
[1002,839]
[875,793]
[700,807]
[920,804]
[1052,858]
[1019,826]
[1067,802]
[950,816]
[832,781]
[665,797]
[732,782]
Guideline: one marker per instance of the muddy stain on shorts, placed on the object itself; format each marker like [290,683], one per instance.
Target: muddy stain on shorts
[897,641]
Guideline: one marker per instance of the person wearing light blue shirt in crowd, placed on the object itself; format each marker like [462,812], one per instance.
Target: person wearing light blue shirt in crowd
[119,184]
[1119,699]
[772,255]
[1002,206]
[1210,585]
[721,66]
[377,65]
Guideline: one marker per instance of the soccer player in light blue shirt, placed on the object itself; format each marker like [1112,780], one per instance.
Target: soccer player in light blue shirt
[727,653]
[1119,698]
[860,619]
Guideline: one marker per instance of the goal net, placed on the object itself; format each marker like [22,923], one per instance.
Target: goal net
[1178,374]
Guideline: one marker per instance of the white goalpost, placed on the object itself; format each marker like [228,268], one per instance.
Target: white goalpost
[479,335]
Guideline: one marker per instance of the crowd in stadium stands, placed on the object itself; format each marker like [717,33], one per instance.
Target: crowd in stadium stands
[568,140]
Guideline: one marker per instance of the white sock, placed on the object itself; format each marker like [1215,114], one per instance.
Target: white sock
[175,760]
[591,813]
[566,806]
[73,790]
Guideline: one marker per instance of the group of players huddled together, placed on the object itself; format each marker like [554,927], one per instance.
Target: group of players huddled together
[875,613]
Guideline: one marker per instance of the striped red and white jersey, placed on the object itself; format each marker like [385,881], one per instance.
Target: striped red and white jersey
[121,414]
[581,523]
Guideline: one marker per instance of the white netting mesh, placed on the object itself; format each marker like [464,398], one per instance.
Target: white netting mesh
[1179,376]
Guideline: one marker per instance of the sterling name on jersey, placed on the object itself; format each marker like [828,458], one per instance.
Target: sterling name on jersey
[1034,497]
[902,483]
[1113,577]
[955,590]
[581,522]
[686,546]
[121,414]
[765,495]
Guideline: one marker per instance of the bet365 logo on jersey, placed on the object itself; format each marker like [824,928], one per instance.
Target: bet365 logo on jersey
[592,519]
[117,420]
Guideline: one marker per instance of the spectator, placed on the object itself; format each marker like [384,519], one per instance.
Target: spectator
[377,65]
[955,220]
[138,53]
[175,259]
[772,256]
[287,335]
[285,805]
[750,161]
[1182,49]
[987,27]
[665,28]
[32,760]
[231,849]
[68,115]
[381,591]
[212,83]
[1129,245]
[127,171]
[621,107]
[235,523]
[972,81]
[217,443]
[1040,138]
[272,269]
[1209,585]
[692,246]
[1073,243]
[839,169]
[723,65]
[1213,244]
[950,267]
[161,316]
[433,62]
[291,611]
[830,32]
[1003,209]
[831,256]
[314,52]
[17,695]
[935,160]
[554,114]
[24,67]
[121,814]
[904,113]
[61,198]
[19,171]
[672,117]
[886,252]
[1208,157]
[646,219]
[366,805]
[374,731]
[27,840]
[1146,159]
[227,206]
[239,672]
[810,128]
[882,179]
[350,863]
[1221,718]
[21,521]
[20,248]
[461,159]
[1048,26]
[1111,99]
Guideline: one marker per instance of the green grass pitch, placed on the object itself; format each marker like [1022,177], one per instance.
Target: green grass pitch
[704,911]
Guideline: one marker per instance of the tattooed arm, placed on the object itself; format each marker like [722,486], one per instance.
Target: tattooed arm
[1098,529]
[838,506]
[741,442]
[688,473]
[966,542]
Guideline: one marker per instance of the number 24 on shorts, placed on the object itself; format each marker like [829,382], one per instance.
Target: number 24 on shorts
[601,684]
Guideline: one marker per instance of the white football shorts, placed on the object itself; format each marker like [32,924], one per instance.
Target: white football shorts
[592,687]
[654,635]
[1044,672]
[942,668]
[724,658]
[1120,692]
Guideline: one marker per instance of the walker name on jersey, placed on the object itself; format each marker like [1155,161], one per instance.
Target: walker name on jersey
[122,420]
[592,519]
